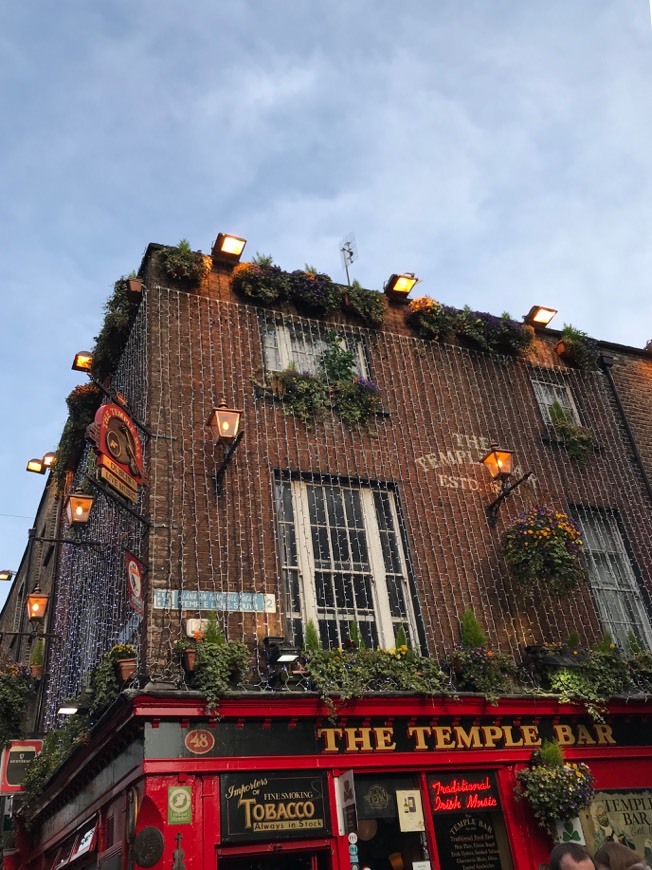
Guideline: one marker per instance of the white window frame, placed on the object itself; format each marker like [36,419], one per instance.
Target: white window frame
[561,392]
[386,624]
[287,355]
[614,585]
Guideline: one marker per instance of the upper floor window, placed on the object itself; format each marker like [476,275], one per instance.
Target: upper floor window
[614,584]
[548,392]
[343,561]
[300,344]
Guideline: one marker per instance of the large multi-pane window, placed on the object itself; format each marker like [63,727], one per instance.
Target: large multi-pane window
[614,584]
[291,342]
[549,391]
[343,561]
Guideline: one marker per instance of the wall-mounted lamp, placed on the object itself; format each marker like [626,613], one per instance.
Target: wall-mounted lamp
[281,661]
[80,704]
[539,316]
[78,508]
[399,286]
[499,463]
[40,466]
[228,248]
[37,605]
[69,708]
[83,361]
[279,652]
[6,574]
[225,423]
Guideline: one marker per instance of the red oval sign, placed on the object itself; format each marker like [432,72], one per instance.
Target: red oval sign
[199,742]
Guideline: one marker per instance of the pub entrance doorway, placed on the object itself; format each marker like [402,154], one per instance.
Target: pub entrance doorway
[279,859]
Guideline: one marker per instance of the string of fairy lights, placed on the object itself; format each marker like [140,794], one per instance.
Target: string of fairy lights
[443,406]
[92,611]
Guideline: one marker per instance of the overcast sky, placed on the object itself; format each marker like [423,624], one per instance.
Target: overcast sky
[500,150]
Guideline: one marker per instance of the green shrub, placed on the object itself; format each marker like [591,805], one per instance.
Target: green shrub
[183,264]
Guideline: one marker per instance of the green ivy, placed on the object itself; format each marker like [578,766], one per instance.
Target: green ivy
[353,673]
[57,745]
[119,312]
[603,673]
[369,306]
[477,669]
[579,350]
[219,667]
[14,695]
[303,395]
[576,440]
[83,403]
[104,686]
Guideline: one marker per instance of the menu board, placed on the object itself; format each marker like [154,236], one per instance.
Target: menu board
[467,841]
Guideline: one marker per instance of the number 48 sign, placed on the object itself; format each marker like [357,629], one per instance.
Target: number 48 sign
[200,741]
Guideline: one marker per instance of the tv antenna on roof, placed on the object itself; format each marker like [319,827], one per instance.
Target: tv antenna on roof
[349,253]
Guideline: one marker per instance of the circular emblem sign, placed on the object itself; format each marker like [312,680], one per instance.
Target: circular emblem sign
[199,742]
[135,581]
[148,847]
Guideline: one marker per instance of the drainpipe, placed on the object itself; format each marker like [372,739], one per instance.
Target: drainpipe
[606,363]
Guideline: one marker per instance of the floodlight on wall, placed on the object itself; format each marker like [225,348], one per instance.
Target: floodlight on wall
[6,574]
[37,605]
[78,508]
[225,425]
[228,248]
[72,706]
[500,466]
[539,316]
[83,361]
[279,652]
[40,466]
[398,287]
[68,709]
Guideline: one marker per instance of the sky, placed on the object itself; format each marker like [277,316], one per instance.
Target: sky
[501,151]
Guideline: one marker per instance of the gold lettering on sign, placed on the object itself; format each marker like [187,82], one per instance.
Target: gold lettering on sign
[429,738]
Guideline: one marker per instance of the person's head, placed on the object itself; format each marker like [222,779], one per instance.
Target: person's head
[570,856]
[615,856]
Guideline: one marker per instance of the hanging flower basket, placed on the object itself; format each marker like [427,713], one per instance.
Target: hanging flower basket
[542,550]
[555,790]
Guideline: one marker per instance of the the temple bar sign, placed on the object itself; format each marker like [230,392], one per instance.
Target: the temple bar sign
[424,738]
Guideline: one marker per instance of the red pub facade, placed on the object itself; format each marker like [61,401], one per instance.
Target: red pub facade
[317,519]
[282,782]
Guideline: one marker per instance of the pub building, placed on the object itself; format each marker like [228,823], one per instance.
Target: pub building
[388,783]
[230,475]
